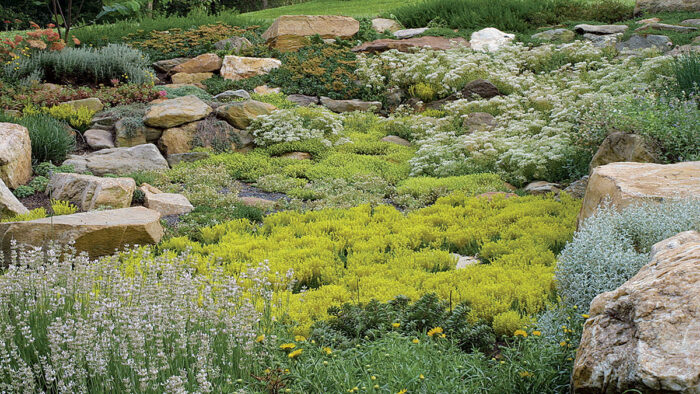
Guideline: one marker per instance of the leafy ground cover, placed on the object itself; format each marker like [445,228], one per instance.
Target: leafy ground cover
[354,8]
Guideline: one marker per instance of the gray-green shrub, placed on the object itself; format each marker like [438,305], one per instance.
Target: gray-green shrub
[612,246]
[51,139]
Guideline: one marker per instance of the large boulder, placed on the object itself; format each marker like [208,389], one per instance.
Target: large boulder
[490,39]
[174,112]
[165,66]
[430,42]
[350,105]
[240,114]
[91,103]
[645,335]
[639,42]
[190,78]
[119,161]
[208,62]
[667,27]
[627,183]
[9,205]
[97,233]
[178,139]
[15,155]
[290,32]
[654,6]
[235,44]
[99,139]
[240,67]
[91,192]
[380,25]
[620,146]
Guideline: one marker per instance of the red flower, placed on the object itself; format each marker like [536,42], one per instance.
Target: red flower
[8,22]
[34,25]
[76,41]
[51,25]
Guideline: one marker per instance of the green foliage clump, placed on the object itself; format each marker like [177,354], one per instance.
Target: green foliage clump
[45,169]
[279,100]
[84,65]
[217,84]
[686,72]
[38,213]
[51,139]
[80,118]
[612,246]
[296,124]
[23,191]
[59,207]
[181,91]
[39,183]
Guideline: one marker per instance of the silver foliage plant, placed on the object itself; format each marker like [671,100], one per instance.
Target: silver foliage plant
[612,246]
[69,324]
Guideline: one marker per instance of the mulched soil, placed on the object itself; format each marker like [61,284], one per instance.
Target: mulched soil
[38,200]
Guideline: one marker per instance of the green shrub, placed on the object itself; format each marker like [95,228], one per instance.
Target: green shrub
[686,72]
[279,100]
[421,191]
[217,84]
[296,124]
[83,65]
[612,246]
[39,183]
[175,92]
[51,140]
[45,169]
[24,191]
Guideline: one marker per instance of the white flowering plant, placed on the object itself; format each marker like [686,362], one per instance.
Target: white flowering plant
[297,124]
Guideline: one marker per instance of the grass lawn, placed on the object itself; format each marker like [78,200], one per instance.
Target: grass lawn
[354,8]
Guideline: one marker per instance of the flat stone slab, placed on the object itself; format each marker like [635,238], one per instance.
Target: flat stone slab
[91,192]
[97,233]
[426,42]
[119,161]
[600,29]
[408,33]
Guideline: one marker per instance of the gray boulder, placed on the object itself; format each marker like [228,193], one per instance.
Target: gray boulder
[119,161]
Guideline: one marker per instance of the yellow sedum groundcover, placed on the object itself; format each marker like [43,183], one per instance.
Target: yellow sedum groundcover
[366,252]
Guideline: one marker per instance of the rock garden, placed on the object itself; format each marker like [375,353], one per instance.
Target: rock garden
[438,197]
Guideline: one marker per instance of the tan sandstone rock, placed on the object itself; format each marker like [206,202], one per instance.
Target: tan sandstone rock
[207,62]
[645,335]
[240,114]
[168,203]
[178,139]
[380,25]
[98,233]
[627,183]
[241,67]
[91,192]
[119,161]
[175,112]
[654,6]
[290,32]
[9,205]
[91,103]
[190,78]
[622,147]
[428,42]
[15,155]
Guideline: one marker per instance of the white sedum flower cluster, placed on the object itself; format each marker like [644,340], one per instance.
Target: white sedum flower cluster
[297,124]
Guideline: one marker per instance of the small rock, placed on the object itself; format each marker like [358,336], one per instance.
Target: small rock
[577,189]
[167,203]
[165,66]
[208,62]
[9,204]
[380,25]
[239,67]
[692,22]
[178,139]
[480,88]
[264,89]
[98,139]
[603,41]
[465,261]
[302,100]
[232,95]
[148,188]
[490,39]
[542,187]
[119,161]
[15,155]
[175,112]
[409,33]
[257,202]
[406,45]
[600,29]
[92,103]
[393,139]
[350,105]
[190,78]
[297,155]
[620,146]
[479,121]
[664,26]
[91,192]
[97,233]
[649,20]
[561,35]
[188,157]
[235,44]
[104,120]
[685,49]
[637,42]
[240,114]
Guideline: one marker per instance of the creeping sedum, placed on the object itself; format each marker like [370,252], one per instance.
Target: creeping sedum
[612,246]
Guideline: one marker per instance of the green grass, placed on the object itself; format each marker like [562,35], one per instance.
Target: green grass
[354,8]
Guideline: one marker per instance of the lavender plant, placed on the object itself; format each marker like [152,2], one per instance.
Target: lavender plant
[128,323]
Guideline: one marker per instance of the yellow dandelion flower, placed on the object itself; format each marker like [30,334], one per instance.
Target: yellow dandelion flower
[525,374]
[416,340]
[402,391]
[376,386]
[300,338]
[287,346]
[585,316]
[536,333]
[521,333]
[562,343]
[421,377]
[327,350]
[433,331]
[295,353]
[260,338]
[396,325]
[443,336]
[373,377]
